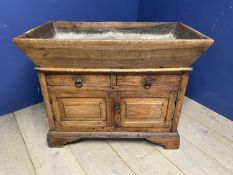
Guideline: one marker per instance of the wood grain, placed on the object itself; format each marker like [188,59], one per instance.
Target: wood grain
[54,53]
[143,158]
[113,85]
[33,125]
[191,160]
[198,130]
[45,93]
[86,70]
[202,137]
[210,119]
[140,109]
[85,109]
[156,80]
[97,157]
[87,80]
[180,99]
[14,157]
[143,112]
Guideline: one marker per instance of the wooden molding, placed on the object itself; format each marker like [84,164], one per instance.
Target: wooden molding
[85,70]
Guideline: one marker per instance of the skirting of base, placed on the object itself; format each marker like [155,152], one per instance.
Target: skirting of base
[168,140]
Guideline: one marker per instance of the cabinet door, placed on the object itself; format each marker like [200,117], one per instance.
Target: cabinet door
[80,108]
[148,109]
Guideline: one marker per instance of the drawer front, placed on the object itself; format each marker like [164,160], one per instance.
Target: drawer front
[148,80]
[79,80]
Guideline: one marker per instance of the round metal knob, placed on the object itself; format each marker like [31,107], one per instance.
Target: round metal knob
[147,83]
[117,107]
[78,82]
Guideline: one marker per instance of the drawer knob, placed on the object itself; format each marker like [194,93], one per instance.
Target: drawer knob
[147,83]
[117,107]
[78,82]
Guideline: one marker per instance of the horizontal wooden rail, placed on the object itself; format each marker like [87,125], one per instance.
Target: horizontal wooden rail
[108,70]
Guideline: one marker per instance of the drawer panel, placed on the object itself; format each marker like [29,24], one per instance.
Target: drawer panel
[154,80]
[83,80]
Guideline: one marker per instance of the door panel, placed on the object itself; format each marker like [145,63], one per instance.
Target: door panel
[141,110]
[86,110]
[83,108]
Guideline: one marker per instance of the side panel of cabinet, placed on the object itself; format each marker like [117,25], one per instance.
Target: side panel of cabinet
[144,109]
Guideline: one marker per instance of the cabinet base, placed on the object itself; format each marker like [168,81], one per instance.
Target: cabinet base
[168,140]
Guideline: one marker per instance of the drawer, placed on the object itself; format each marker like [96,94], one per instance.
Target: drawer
[148,80]
[79,80]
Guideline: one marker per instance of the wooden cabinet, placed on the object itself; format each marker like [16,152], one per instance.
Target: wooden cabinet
[113,86]
[131,101]
[113,104]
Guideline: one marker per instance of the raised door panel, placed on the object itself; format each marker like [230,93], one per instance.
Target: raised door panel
[145,110]
[80,109]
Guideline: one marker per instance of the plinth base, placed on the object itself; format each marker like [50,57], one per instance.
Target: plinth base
[168,140]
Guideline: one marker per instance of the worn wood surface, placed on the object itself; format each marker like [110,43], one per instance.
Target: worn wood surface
[84,108]
[99,158]
[49,52]
[206,148]
[105,100]
[156,80]
[180,99]
[140,110]
[142,158]
[45,93]
[112,102]
[203,136]
[134,110]
[34,128]
[167,140]
[14,157]
[86,70]
[209,118]
[87,80]
[80,109]
[191,160]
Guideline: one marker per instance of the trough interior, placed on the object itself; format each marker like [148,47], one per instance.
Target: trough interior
[112,31]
